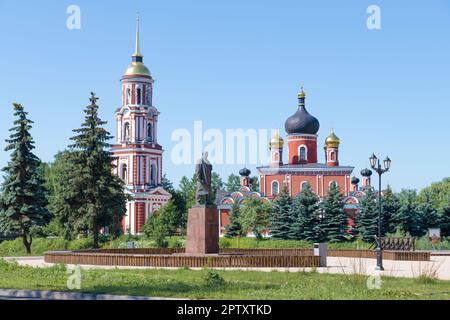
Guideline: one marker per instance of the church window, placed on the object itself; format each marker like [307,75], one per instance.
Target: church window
[128,95]
[124,172]
[275,188]
[304,185]
[302,153]
[126,132]
[138,95]
[149,132]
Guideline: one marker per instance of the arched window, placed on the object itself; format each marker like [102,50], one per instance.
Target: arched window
[304,185]
[332,156]
[124,172]
[153,174]
[149,132]
[275,188]
[276,156]
[302,153]
[138,96]
[331,183]
[126,132]
[128,95]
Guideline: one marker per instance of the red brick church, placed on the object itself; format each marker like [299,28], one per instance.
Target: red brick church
[302,166]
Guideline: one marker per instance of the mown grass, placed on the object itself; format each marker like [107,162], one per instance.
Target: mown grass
[185,283]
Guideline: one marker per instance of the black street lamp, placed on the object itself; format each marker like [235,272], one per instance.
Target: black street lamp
[376,165]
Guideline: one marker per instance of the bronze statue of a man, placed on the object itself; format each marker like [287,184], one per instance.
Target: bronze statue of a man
[203,170]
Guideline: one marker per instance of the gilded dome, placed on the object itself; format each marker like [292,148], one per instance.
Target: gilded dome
[276,142]
[137,68]
[301,121]
[332,140]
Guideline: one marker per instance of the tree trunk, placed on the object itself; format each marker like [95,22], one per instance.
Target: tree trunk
[27,243]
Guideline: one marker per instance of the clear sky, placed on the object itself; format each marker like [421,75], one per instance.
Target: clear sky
[239,64]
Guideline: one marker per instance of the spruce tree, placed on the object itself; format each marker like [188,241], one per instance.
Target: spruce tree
[391,206]
[93,196]
[281,218]
[367,219]
[408,217]
[233,228]
[428,216]
[306,215]
[334,222]
[23,201]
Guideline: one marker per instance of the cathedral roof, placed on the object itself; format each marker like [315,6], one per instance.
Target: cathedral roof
[301,121]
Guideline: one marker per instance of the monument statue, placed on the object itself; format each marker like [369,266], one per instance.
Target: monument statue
[203,173]
[202,236]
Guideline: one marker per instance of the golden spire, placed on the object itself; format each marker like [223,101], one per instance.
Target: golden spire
[137,52]
[137,66]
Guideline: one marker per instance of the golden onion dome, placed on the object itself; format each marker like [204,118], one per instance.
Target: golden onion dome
[332,140]
[276,142]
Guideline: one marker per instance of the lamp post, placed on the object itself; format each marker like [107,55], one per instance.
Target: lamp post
[376,165]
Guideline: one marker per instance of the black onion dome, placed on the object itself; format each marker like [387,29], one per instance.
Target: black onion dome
[366,172]
[301,121]
[355,180]
[244,172]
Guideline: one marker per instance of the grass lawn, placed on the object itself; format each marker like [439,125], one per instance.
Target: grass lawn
[185,283]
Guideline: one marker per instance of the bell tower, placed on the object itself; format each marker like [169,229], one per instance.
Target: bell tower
[137,151]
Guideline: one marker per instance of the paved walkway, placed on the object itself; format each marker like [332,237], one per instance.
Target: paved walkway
[439,266]
[11,294]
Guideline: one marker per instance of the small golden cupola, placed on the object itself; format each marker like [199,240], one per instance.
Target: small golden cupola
[332,140]
[332,149]
[137,67]
[276,150]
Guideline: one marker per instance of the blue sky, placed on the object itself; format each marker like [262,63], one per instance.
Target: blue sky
[239,64]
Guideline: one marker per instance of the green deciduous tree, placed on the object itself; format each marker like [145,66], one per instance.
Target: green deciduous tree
[234,227]
[233,183]
[23,201]
[281,216]
[178,201]
[93,197]
[306,215]
[334,222]
[254,216]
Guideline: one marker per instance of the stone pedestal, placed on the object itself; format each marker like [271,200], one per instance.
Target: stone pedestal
[202,230]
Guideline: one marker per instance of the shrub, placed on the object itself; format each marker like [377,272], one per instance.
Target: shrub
[213,278]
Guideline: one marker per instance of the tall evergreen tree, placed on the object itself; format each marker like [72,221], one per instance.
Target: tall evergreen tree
[391,206]
[23,200]
[428,216]
[93,196]
[281,216]
[234,227]
[254,183]
[367,219]
[334,222]
[306,215]
[408,217]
